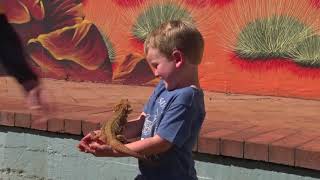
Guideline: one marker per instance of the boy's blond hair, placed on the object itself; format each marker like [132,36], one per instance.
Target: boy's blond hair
[179,35]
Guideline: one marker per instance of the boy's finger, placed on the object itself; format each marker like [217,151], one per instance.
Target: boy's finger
[94,145]
[87,138]
[90,135]
[84,146]
[99,147]
[80,147]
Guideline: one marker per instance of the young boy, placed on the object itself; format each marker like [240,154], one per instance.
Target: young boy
[171,119]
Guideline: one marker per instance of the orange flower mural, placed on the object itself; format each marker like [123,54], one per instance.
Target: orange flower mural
[22,11]
[128,3]
[79,44]
[203,3]
[62,43]
[134,69]
[271,76]
[315,3]
[102,41]
[127,43]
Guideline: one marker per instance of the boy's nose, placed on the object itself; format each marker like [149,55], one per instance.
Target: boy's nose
[155,72]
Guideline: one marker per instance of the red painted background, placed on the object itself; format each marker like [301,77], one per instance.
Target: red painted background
[91,40]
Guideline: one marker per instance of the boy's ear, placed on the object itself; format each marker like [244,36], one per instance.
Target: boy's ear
[178,57]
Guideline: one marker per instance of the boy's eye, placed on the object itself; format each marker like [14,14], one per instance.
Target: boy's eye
[154,65]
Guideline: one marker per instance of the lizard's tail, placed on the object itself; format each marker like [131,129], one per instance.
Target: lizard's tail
[118,146]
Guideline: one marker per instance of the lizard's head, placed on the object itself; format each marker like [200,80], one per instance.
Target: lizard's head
[123,106]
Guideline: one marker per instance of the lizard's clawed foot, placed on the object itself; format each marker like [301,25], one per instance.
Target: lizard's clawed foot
[122,139]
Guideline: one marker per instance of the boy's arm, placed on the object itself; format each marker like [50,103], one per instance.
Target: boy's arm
[149,146]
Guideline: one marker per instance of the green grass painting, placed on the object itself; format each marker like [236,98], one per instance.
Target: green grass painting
[273,37]
[307,53]
[157,14]
[279,37]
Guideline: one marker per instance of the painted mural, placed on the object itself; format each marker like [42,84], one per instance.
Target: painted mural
[263,47]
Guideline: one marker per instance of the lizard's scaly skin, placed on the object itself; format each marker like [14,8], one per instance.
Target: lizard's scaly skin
[112,129]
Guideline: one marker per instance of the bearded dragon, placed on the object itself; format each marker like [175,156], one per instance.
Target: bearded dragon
[111,131]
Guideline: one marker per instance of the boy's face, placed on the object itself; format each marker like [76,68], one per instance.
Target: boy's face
[163,67]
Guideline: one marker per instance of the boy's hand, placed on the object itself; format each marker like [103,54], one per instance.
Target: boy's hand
[86,140]
[95,146]
[100,150]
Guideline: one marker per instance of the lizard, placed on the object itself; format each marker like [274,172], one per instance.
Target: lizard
[111,130]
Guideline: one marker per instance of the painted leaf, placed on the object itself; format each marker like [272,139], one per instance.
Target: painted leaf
[134,69]
[45,60]
[16,11]
[35,8]
[62,13]
[22,11]
[81,44]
